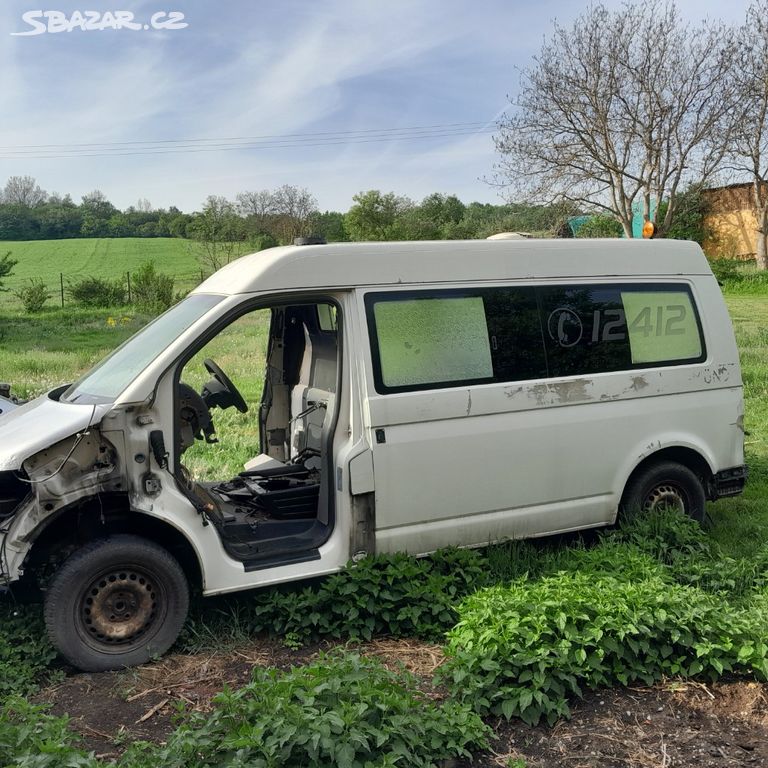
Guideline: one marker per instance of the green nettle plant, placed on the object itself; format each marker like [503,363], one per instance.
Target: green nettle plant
[524,649]
[393,595]
[343,710]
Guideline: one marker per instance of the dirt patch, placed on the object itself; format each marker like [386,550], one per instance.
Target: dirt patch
[676,724]
[112,709]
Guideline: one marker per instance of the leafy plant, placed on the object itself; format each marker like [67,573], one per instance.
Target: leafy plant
[6,267]
[600,225]
[31,738]
[25,652]
[343,710]
[525,649]
[388,594]
[34,295]
[97,292]
[152,290]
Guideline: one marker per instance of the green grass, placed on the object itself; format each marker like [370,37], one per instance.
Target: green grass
[99,257]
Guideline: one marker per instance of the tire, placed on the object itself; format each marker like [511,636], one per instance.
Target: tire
[116,603]
[666,484]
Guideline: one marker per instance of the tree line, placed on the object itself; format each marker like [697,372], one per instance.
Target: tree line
[264,218]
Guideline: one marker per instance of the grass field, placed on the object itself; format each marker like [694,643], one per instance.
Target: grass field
[98,257]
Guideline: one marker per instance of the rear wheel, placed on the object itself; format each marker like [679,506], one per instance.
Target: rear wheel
[116,603]
[666,485]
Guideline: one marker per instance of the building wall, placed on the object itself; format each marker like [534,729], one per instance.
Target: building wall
[730,220]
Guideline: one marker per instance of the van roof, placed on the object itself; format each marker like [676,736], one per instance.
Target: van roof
[342,265]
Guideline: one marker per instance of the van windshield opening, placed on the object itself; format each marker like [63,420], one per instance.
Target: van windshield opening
[105,382]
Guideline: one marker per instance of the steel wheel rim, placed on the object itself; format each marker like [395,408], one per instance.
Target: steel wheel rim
[666,496]
[120,608]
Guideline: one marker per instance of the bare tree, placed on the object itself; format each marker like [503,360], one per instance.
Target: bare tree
[256,204]
[294,208]
[259,209]
[23,190]
[619,110]
[748,157]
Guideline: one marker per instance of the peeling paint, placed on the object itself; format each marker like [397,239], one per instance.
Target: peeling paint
[638,383]
[562,392]
[469,401]
[511,392]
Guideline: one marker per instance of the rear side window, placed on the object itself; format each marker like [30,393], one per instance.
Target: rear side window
[600,328]
[662,326]
[434,339]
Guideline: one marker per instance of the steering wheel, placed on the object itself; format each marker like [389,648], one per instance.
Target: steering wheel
[237,399]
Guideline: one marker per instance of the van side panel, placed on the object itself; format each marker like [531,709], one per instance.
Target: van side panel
[468,465]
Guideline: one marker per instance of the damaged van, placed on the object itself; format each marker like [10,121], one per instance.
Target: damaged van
[374,397]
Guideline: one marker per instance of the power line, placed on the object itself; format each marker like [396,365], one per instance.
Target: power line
[121,151]
[279,136]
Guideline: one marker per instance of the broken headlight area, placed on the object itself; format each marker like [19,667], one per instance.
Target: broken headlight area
[14,487]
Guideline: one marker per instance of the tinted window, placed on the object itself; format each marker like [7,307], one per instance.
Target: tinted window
[594,328]
[515,331]
[432,339]
[585,329]
[662,326]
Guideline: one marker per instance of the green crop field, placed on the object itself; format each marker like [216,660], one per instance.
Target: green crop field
[99,257]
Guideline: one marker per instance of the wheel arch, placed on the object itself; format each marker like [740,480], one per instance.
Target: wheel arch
[686,455]
[100,517]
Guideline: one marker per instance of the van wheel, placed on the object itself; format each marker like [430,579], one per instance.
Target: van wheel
[116,603]
[666,485]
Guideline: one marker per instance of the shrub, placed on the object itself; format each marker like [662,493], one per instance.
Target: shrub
[342,710]
[525,649]
[25,652]
[725,270]
[31,737]
[34,295]
[97,292]
[387,594]
[600,225]
[152,290]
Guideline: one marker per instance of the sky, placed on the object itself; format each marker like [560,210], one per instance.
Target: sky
[316,91]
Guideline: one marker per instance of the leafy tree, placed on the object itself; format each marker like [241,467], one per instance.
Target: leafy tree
[6,268]
[17,222]
[329,225]
[97,211]
[218,230]
[58,217]
[376,216]
[688,223]
[624,105]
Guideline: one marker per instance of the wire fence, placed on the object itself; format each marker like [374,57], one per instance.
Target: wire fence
[59,285]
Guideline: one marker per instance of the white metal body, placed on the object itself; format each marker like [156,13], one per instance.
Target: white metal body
[461,465]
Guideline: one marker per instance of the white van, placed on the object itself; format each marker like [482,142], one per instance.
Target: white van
[404,396]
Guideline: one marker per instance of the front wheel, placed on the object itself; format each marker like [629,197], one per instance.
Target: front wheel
[116,603]
[666,485]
